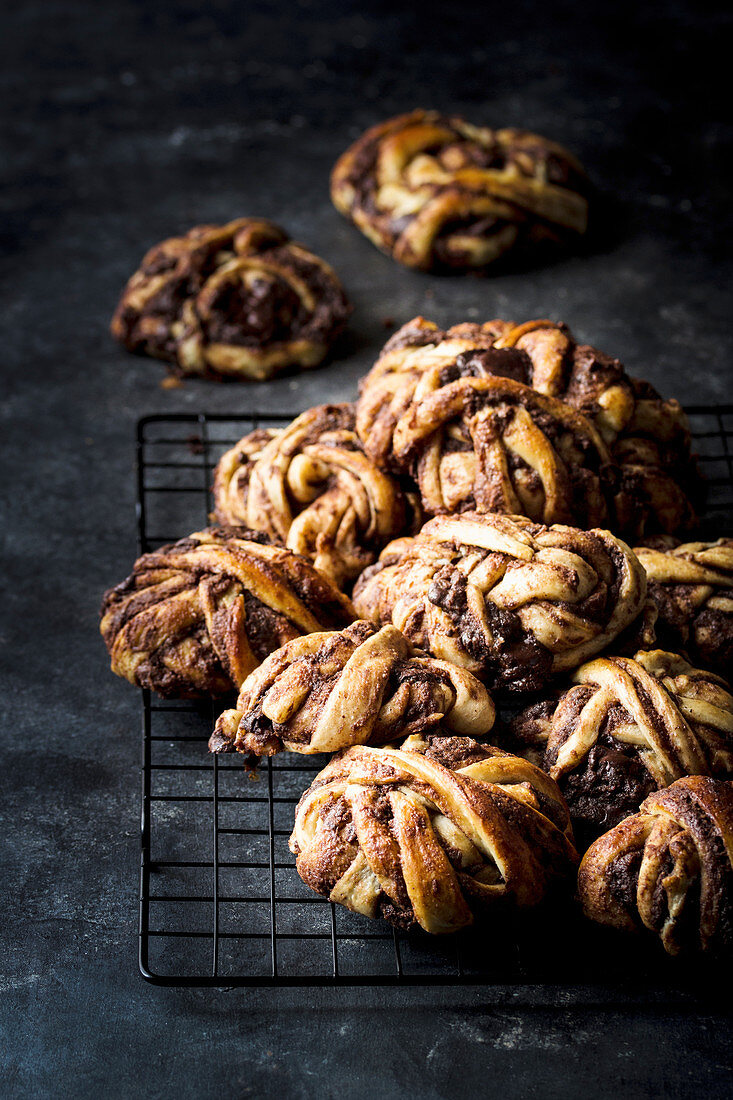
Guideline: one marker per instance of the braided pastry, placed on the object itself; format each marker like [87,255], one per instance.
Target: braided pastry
[413,390]
[436,192]
[431,834]
[630,726]
[510,600]
[668,869]
[362,685]
[240,299]
[196,617]
[692,587]
[312,487]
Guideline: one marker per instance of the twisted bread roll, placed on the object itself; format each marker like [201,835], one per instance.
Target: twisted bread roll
[362,685]
[436,192]
[197,616]
[692,587]
[668,869]
[312,487]
[240,299]
[510,600]
[431,834]
[413,390]
[630,726]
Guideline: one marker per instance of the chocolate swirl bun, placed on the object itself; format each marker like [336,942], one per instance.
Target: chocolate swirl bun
[432,834]
[437,193]
[312,487]
[358,686]
[196,617]
[422,367]
[692,587]
[241,300]
[668,869]
[512,601]
[630,726]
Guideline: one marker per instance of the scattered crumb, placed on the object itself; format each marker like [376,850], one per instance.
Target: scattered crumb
[195,444]
[388,322]
[170,382]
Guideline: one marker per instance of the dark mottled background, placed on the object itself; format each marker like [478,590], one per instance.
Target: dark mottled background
[127,122]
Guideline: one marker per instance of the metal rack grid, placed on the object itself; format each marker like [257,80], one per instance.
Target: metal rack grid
[220,901]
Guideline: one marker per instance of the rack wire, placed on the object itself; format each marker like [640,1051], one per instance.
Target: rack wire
[220,901]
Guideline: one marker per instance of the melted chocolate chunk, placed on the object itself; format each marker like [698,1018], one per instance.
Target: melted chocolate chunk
[516,660]
[490,362]
[610,784]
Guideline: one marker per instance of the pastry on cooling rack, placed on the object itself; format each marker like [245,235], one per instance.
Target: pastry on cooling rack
[692,587]
[668,869]
[362,685]
[240,300]
[510,600]
[433,834]
[197,616]
[627,727]
[437,193]
[312,487]
[450,407]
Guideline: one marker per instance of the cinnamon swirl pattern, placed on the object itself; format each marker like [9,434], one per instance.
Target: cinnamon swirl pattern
[437,193]
[362,685]
[312,487]
[196,617]
[630,726]
[692,587]
[668,870]
[451,407]
[433,834]
[510,600]
[240,300]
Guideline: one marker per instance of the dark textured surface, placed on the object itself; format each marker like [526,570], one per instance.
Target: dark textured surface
[131,121]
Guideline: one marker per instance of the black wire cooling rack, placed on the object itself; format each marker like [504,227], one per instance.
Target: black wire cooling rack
[220,901]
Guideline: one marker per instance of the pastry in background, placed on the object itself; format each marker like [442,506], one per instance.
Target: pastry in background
[668,870]
[434,834]
[312,487]
[449,406]
[436,193]
[510,600]
[692,587]
[628,727]
[239,300]
[197,616]
[358,686]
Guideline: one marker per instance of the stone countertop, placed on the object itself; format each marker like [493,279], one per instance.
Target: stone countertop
[128,122]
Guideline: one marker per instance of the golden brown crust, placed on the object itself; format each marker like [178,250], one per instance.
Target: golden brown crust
[196,617]
[668,869]
[451,407]
[631,726]
[362,685]
[692,587]
[432,834]
[437,193]
[511,600]
[312,487]
[240,300]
